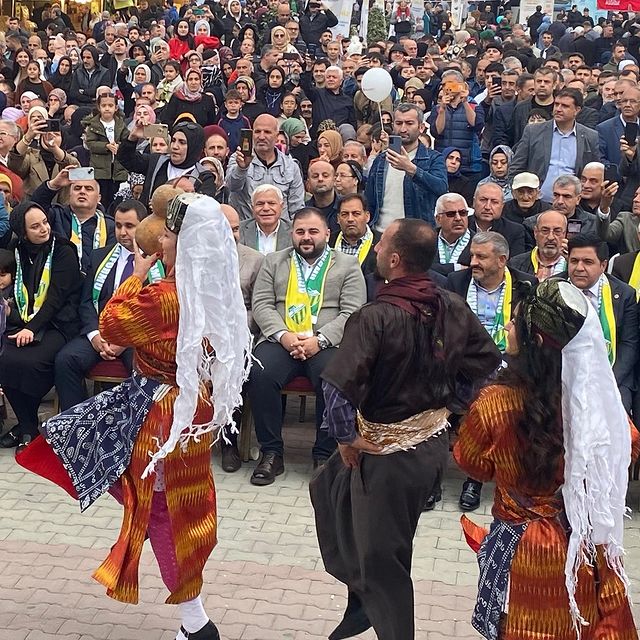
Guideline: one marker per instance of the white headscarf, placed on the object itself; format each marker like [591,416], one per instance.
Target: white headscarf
[211,311]
[597,445]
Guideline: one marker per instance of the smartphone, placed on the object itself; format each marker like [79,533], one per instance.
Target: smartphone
[246,142]
[611,173]
[156,131]
[198,12]
[453,87]
[416,62]
[157,49]
[290,56]
[81,173]
[496,81]
[631,133]
[131,64]
[395,144]
[53,126]
[574,227]
[312,49]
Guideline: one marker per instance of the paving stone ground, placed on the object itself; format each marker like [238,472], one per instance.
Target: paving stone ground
[264,581]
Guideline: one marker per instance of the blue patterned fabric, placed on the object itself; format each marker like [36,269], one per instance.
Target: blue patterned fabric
[494,559]
[94,439]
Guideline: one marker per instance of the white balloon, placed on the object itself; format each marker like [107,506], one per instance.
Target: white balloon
[377,84]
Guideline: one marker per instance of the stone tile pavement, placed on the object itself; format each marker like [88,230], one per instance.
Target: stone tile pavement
[264,581]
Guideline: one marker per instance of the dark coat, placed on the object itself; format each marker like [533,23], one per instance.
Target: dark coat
[89,318]
[512,232]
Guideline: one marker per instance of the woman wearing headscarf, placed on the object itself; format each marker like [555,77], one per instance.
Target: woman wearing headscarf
[499,161]
[42,318]
[56,104]
[38,156]
[185,151]
[181,43]
[273,90]
[203,37]
[458,183]
[233,20]
[129,190]
[297,133]
[189,98]
[246,87]
[330,147]
[554,436]
[349,178]
[281,41]
[215,167]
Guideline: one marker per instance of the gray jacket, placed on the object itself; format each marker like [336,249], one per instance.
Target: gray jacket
[283,173]
[344,293]
[249,262]
[249,234]
[622,232]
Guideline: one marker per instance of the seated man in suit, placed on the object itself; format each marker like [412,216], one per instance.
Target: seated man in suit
[108,267]
[249,262]
[267,231]
[492,291]
[545,259]
[558,147]
[301,301]
[356,237]
[488,202]
[452,218]
[615,302]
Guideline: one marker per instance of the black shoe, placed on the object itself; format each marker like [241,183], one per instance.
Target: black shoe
[230,457]
[432,500]
[354,621]
[318,462]
[10,439]
[24,443]
[208,632]
[270,466]
[470,496]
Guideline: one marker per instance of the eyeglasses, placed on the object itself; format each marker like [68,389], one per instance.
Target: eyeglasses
[546,231]
[462,213]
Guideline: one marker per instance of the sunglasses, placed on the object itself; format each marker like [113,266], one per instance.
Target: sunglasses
[462,213]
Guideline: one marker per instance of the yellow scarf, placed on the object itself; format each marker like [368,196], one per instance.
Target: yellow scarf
[99,235]
[303,299]
[634,280]
[607,318]
[363,249]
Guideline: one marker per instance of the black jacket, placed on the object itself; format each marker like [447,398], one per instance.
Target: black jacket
[89,317]
[84,86]
[513,233]
[312,28]
[328,105]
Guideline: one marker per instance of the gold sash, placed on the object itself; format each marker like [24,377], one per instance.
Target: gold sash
[404,435]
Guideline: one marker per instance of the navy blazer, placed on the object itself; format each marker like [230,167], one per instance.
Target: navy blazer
[609,134]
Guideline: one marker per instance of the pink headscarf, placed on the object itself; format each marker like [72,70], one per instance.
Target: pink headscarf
[151,114]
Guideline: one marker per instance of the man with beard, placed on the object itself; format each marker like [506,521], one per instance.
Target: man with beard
[546,258]
[301,301]
[401,369]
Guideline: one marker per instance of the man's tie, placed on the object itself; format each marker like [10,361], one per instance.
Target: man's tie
[128,269]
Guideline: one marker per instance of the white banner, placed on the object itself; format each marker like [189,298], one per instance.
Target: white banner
[364,20]
[342,10]
[528,8]
[417,13]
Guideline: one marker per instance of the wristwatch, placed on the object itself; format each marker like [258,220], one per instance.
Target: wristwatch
[323,343]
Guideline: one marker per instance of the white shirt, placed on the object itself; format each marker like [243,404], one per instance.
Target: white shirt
[592,294]
[267,242]
[120,265]
[109,129]
[393,200]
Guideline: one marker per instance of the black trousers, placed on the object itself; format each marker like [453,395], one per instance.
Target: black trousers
[72,364]
[265,385]
[366,519]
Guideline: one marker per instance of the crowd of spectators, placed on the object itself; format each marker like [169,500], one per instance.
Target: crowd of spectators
[515,136]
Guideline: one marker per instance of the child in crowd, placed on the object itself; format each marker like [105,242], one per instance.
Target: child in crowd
[171,81]
[233,120]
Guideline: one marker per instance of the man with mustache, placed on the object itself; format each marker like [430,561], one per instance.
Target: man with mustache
[301,301]
[546,258]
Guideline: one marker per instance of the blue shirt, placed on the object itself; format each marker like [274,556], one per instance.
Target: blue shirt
[564,151]
[488,305]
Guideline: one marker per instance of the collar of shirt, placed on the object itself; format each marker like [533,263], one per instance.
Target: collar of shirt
[273,234]
[352,249]
[564,135]
[493,291]
[594,290]
[624,122]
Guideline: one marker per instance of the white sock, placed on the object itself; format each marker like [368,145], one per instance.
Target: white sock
[194,617]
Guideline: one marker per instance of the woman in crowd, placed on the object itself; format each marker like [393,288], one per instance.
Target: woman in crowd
[34,83]
[42,318]
[499,161]
[457,182]
[22,59]
[215,166]
[61,77]
[273,91]
[330,147]
[203,37]
[129,190]
[128,80]
[349,178]
[190,99]
[246,87]
[234,19]
[38,156]
[181,43]
[56,104]
[553,435]
[280,40]
[299,149]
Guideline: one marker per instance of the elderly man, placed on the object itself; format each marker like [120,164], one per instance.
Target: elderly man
[591,179]
[329,102]
[321,185]
[610,131]
[9,135]
[492,291]
[267,165]
[301,301]
[266,232]
[356,151]
[546,258]
[406,184]
[526,199]
[356,237]
[488,202]
[454,237]
[622,233]
[615,302]
[566,198]
[81,221]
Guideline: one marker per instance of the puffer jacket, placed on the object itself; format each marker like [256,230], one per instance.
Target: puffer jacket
[460,134]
